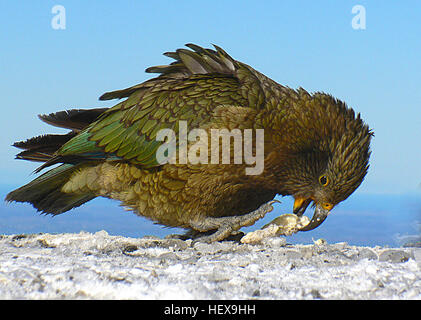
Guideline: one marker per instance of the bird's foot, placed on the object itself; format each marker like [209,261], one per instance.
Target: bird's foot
[225,226]
[196,235]
[190,234]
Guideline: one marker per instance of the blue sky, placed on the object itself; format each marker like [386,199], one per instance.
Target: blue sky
[107,45]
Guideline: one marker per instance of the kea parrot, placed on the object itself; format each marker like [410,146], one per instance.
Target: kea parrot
[316,149]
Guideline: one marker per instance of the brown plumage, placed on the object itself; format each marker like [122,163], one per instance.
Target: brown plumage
[315,148]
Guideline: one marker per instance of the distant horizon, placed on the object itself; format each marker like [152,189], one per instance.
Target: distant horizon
[363,219]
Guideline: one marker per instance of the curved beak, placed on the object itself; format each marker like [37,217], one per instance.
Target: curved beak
[300,205]
[319,216]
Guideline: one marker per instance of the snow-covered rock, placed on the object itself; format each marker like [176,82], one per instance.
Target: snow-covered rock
[101,266]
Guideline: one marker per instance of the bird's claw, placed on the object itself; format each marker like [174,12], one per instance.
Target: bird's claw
[226,226]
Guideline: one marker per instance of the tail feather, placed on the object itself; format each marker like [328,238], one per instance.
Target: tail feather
[44,192]
[42,148]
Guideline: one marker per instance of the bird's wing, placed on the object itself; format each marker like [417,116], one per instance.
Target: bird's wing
[74,119]
[188,89]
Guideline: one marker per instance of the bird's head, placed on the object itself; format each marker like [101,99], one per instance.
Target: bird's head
[333,159]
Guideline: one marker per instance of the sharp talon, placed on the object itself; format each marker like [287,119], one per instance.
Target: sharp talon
[225,226]
[218,235]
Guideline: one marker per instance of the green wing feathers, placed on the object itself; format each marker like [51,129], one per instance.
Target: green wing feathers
[201,87]
[188,89]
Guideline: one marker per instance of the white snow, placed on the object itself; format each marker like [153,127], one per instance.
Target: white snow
[100,266]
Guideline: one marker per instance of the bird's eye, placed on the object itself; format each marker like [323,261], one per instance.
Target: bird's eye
[324,180]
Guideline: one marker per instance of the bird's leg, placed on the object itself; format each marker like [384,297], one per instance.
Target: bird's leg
[193,234]
[225,226]
[190,234]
